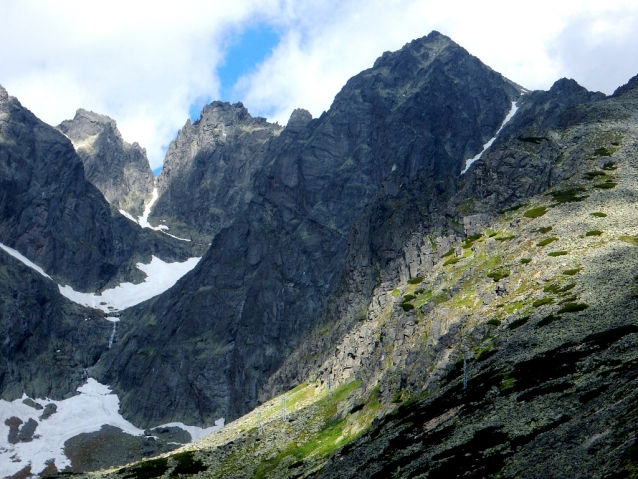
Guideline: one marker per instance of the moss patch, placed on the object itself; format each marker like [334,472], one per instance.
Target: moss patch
[449,253]
[526,260]
[569,195]
[498,274]
[541,302]
[494,322]
[572,272]
[630,239]
[547,241]
[452,261]
[594,233]
[547,320]
[535,212]
[558,253]
[517,323]
[608,185]
[598,214]
[573,308]
[417,280]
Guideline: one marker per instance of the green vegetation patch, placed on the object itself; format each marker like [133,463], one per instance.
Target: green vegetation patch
[607,185]
[598,214]
[187,464]
[526,260]
[557,288]
[470,240]
[407,306]
[558,253]
[542,302]
[324,442]
[572,272]
[544,229]
[547,241]
[416,280]
[547,320]
[145,469]
[505,238]
[408,297]
[494,322]
[498,274]
[594,233]
[535,212]
[602,151]
[518,322]
[610,166]
[590,175]
[452,261]
[630,239]
[569,195]
[573,308]
[449,253]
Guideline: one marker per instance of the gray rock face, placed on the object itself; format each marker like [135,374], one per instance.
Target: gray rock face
[55,217]
[118,169]
[209,168]
[217,336]
[47,341]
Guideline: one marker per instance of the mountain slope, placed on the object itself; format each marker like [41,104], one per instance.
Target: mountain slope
[118,169]
[215,338]
[539,298]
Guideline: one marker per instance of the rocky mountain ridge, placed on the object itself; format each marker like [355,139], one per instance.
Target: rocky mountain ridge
[121,171]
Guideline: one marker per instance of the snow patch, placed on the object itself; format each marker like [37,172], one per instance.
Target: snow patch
[160,276]
[143,220]
[196,432]
[94,407]
[17,255]
[509,116]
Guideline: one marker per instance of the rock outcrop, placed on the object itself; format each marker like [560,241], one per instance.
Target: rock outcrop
[118,169]
[209,169]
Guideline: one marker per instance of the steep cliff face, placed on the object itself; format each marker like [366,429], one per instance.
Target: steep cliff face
[54,216]
[209,169]
[47,341]
[118,169]
[216,337]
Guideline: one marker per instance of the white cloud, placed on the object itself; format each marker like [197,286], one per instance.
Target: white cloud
[145,63]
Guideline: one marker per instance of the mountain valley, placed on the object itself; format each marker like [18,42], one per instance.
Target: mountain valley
[434,278]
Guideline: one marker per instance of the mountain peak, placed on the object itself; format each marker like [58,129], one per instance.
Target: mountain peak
[4,95]
[632,84]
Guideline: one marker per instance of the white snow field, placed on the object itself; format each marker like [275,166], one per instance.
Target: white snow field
[160,276]
[87,412]
[509,116]
[143,220]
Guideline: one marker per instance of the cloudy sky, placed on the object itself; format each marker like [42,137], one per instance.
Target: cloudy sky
[151,65]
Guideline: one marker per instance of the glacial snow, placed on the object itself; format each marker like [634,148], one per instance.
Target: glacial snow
[160,276]
[87,412]
[509,116]
[143,220]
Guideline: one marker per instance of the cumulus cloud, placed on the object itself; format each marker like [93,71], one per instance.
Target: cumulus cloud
[145,64]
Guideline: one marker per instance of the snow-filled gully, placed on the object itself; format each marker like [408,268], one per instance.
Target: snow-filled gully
[509,116]
[95,405]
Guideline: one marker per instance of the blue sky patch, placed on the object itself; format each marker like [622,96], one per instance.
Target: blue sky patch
[244,52]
